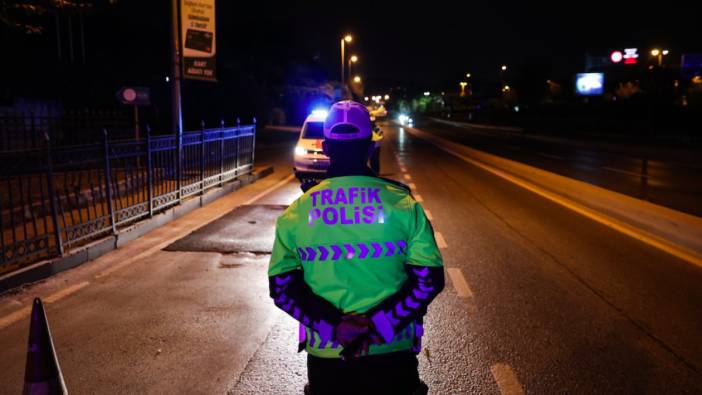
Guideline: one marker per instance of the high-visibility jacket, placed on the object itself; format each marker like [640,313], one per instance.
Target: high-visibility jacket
[354,238]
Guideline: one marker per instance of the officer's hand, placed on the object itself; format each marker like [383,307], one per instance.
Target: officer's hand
[368,339]
[351,327]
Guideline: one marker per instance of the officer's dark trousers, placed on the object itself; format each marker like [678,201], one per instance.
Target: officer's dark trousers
[393,373]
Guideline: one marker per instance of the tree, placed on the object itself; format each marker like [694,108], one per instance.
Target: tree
[32,16]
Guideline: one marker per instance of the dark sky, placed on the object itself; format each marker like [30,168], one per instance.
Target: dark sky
[430,44]
[435,42]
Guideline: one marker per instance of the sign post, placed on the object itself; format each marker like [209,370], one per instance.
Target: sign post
[135,97]
[198,39]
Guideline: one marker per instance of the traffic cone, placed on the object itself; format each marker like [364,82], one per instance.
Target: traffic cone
[42,374]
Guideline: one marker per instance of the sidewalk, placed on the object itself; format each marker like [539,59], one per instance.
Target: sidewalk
[143,320]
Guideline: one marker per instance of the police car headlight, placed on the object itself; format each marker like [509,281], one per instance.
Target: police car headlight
[299,151]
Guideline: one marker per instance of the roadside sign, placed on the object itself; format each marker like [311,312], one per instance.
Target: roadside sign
[198,39]
[135,96]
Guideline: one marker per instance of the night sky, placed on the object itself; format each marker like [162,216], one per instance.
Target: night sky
[430,45]
[436,44]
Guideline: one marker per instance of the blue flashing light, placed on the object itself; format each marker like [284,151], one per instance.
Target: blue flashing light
[319,112]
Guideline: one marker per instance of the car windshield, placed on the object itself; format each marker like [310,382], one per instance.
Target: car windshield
[313,130]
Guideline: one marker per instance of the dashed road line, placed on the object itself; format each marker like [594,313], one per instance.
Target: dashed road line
[459,282]
[428,214]
[270,189]
[412,186]
[440,240]
[55,297]
[14,317]
[407,177]
[507,381]
[418,197]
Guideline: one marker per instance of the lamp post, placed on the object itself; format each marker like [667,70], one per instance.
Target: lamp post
[346,39]
[463,85]
[659,54]
[353,59]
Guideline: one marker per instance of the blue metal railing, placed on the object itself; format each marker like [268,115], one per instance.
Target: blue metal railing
[55,198]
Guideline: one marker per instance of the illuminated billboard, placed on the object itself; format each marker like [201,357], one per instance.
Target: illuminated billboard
[589,84]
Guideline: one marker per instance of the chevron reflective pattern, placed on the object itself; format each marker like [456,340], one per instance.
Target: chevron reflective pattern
[361,251]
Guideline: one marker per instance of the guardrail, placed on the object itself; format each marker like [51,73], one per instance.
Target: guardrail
[57,198]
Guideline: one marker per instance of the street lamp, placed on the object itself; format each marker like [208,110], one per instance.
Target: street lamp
[352,59]
[357,79]
[504,67]
[463,85]
[657,53]
[344,40]
[387,97]
[468,75]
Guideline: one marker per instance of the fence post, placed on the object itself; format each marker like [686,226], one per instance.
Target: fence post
[179,165]
[253,144]
[52,196]
[108,181]
[221,152]
[238,143]
[149,171]
[202,157]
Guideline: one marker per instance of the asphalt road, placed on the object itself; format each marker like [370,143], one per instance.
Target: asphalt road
[671,176]
[538,300]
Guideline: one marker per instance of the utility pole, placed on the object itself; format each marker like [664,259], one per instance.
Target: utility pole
[176,117]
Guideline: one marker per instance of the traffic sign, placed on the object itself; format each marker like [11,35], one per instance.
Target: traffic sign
[135,96]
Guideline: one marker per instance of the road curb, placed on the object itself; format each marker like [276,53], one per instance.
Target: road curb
[515,132]
[44,269]
[666,229]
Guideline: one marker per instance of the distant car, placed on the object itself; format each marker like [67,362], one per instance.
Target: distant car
[310,161]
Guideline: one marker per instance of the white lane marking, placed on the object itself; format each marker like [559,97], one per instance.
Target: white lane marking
[56,296]
[270,189]
[459,282]
[630,173]
[186,232]
[407,177]
[440,240]
[506,380]
[629,230]
[418,197]
[413,186]
[550,156]
[403,169]
[14,317]
[428,214]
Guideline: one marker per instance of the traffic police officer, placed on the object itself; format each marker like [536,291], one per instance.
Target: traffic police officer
[356,263]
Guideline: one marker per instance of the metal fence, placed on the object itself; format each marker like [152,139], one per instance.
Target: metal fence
[56,198]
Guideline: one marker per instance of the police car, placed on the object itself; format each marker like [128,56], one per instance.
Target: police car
[310,162]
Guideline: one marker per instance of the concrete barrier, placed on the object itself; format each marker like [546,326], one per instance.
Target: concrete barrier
[672,231]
